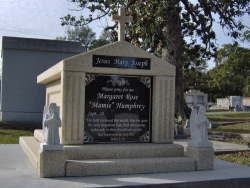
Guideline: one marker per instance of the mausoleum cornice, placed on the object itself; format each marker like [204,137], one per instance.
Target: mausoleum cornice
[84,63]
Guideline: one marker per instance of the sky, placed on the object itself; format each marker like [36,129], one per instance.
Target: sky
[41,19]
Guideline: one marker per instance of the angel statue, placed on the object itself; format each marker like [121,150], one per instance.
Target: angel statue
[51,124]
[198,125]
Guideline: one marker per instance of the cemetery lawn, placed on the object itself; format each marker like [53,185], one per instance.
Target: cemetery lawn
[11,136]
[241,124]
[239,158]
[243,128]
[229,117]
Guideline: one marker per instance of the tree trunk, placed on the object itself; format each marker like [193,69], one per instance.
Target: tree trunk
[173,54]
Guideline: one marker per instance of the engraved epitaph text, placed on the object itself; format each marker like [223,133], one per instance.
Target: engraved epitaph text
[117,109]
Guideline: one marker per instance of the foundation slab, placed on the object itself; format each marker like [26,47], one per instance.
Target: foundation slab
[129,166]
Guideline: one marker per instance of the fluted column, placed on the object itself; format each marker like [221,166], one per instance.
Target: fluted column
[73,96]
[163,109]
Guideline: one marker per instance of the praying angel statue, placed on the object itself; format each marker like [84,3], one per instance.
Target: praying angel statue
[51,124]
[198,125]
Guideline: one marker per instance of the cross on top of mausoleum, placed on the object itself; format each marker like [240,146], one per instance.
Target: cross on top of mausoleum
[121,18]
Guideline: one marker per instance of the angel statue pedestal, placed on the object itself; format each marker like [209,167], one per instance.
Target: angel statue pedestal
[199,148]
[51,155]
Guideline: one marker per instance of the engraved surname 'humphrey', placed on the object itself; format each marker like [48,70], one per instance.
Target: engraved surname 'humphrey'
[130,106]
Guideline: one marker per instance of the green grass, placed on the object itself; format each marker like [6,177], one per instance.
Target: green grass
[243,128]
[11,136]
[239,158]
[217,110]
[241,141]
[229,117]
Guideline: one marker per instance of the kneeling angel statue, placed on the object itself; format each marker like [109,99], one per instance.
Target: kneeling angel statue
[51,124]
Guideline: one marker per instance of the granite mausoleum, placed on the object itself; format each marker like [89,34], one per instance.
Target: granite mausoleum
[196,98]
[117,112]
[22,99]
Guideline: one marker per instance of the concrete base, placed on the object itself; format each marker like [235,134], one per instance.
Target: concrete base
[38,134]
[129,166]
[204,157]
[44,146]
[30,147]
[51,163]
[200,144]
[106,159]
[17,171]
[47,163]
[122,151]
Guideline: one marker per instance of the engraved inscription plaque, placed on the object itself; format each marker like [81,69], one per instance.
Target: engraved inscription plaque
[117,108]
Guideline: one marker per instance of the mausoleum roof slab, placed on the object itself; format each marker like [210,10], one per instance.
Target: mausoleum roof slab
[84,63]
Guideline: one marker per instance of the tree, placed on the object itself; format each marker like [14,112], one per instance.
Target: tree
[231,76]
[246,89]
[225,52]
[246,36]
[98,43]
[160,27]
[83,34]
[195,78]
[104,39]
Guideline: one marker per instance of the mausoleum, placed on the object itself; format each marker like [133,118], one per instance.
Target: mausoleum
[196,98]
[22,99]
[117,115]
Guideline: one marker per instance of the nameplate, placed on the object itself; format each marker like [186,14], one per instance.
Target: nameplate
[121,62]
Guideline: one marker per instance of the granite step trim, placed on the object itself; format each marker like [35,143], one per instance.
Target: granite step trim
[30,147]
[122,151]
[38,134]
[128,166]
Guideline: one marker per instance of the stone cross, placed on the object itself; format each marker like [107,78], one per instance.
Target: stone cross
[121,18]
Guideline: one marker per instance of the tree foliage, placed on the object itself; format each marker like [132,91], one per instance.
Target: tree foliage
[224,53]
[176,30]
[246,36]
[246,89]
[104,39]
[83,34]
[196,78]
[231,76]
[98,43]
[86,36]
